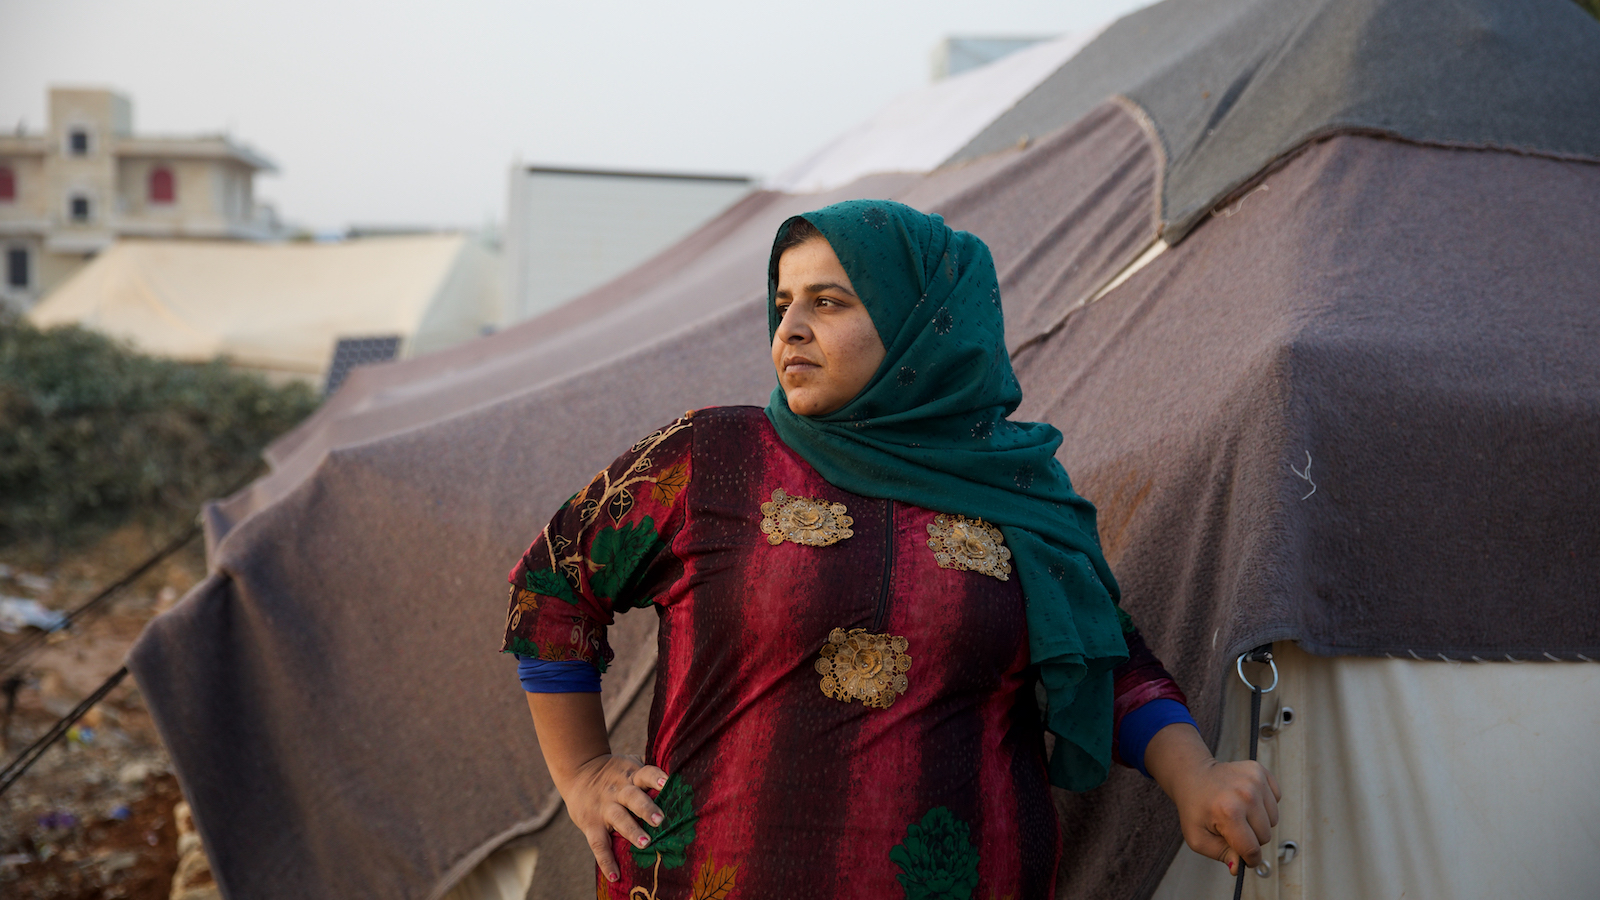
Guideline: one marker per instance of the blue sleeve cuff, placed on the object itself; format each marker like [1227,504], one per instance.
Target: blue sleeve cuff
[561,676]
[1139,726]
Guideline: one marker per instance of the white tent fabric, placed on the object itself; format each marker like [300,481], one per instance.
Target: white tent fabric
[281,307]
[921,129]
[506,874]
[1418,779]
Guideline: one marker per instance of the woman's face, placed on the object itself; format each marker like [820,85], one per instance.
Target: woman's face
[826,348]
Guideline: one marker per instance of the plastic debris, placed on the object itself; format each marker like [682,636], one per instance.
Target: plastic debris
[112,863]
[17,613]
[36,583]
[121,813]
[134,772]
[57,819]
[80,734]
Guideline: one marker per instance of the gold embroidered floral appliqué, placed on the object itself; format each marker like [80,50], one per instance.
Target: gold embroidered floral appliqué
[856,665]
[524,602]
[804,521]
[958,542]
[615,496]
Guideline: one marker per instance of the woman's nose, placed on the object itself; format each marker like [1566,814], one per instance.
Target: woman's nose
[793,327]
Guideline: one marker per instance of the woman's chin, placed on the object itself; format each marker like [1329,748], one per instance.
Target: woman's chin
[799,407]
[803,405]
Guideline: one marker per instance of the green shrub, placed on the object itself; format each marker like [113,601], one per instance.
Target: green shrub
[91,431]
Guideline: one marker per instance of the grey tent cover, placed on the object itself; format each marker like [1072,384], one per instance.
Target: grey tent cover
[1232,85]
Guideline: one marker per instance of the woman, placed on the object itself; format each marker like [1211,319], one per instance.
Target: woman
[859,588]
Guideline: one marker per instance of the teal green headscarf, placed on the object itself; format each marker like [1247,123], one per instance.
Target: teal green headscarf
[930,429]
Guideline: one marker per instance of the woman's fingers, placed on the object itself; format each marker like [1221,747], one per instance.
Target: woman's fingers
[650,778]
[623,823]
[1261,809]
[1247,811]
[1228,811]
[1241,837]
[639,803]
[1213,846]
[600,845]
[1270,802]
[1256,818]
[606,800]
[1209,845]
[1261,786]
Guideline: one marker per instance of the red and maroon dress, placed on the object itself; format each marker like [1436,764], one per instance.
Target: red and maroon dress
[843,698]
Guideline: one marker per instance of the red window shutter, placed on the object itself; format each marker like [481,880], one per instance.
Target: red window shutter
[8,184]
[161,186]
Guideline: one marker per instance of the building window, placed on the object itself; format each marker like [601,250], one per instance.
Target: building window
[78,142]
[8,184]
[17,267]
[80,208]
[162,186]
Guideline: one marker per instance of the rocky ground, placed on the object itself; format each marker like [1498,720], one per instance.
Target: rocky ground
[99,815]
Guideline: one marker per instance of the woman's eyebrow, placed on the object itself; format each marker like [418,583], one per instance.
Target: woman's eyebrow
[829,285]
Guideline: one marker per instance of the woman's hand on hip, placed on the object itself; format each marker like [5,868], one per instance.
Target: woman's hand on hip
[1226,809]
[603,792]
[607,794]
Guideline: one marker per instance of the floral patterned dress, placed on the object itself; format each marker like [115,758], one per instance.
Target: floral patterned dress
[843,699]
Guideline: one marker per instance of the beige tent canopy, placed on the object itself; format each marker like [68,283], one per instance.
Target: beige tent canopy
[282,308]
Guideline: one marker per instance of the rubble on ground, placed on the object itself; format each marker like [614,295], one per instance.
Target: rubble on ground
[100,814]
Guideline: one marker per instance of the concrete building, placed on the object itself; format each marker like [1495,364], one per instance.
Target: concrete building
[67,194]
[571,230]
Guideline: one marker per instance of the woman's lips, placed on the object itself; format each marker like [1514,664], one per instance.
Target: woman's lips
[799,365]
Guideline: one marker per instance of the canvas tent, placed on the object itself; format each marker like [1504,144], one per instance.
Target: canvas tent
[1378,219]
[283,308]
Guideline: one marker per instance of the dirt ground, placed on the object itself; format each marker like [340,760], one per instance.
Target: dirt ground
[95,815]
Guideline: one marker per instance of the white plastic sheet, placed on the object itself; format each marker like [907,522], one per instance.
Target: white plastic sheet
[17,613]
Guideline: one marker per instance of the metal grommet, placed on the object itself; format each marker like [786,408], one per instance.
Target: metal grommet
[1286,852]
[1282,720]
[1239,667]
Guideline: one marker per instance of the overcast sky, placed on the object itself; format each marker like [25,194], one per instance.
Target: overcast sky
[408,112]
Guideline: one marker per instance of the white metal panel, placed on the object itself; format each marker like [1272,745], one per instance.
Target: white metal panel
[571,231]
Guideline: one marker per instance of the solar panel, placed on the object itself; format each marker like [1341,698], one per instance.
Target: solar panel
[358,351]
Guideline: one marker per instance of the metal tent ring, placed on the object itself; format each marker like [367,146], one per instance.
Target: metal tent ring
[1239,666]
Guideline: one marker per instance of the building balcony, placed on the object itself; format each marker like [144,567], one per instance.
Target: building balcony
[172,148]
